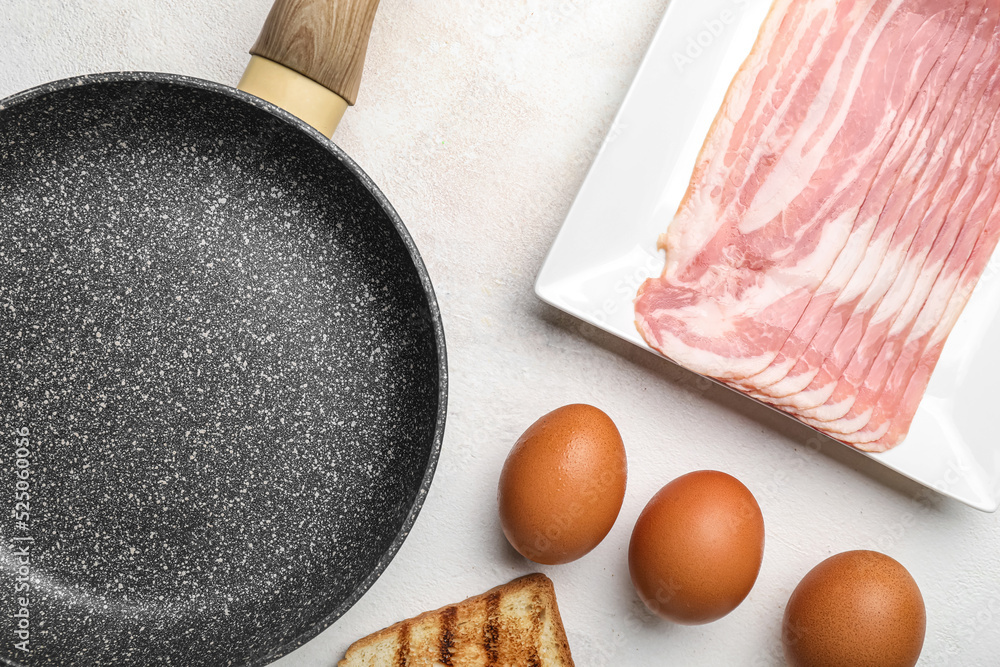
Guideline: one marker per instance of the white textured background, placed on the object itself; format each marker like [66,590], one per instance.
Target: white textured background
[478,120]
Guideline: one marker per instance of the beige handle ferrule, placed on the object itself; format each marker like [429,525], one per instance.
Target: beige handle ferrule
[295,93]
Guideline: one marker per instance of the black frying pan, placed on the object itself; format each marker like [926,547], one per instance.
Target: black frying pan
[224,378]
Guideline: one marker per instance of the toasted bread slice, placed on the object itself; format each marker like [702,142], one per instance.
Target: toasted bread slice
[513,625]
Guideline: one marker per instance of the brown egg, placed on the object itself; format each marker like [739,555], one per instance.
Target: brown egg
[855,608]
[562,485]
[697,547]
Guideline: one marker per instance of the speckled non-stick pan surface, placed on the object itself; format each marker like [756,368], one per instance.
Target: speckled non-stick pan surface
[223,370]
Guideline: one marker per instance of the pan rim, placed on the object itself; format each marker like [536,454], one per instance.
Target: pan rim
[338,153]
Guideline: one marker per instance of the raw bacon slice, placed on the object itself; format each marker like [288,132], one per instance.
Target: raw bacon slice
[843,206]
[899,212]
[922,363]
[900,397]
[934,288]
[767,95]
[902,270]
[807,346]
[736,281]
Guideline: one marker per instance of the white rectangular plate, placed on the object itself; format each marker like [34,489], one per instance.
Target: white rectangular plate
[607,245]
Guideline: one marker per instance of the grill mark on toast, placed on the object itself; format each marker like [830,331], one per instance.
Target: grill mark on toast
[491,630]
[403,648]
[446,643]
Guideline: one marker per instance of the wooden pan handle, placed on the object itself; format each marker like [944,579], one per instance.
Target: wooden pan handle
[326,40]
[309,57]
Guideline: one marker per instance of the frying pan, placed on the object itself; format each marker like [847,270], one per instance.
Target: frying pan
[224,379]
